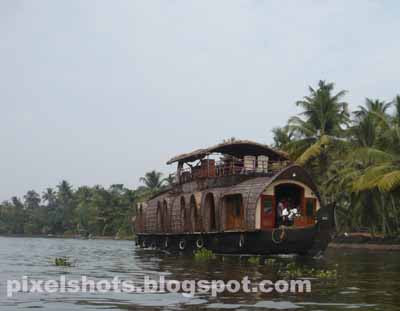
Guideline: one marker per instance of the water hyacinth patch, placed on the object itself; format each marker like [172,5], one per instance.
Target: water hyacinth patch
[204,254]
[294,271]
[254,260]
[62,262]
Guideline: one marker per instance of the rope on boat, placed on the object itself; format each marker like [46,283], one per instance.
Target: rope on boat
[182,245]
[281,236]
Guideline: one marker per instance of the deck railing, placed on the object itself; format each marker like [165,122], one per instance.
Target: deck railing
[224,168]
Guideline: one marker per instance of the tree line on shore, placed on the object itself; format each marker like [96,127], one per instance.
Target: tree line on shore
[86,211]
[354,158]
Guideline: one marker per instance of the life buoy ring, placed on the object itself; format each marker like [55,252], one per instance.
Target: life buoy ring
[241,241]
[199,243]
[182,245]
[278,235]
[166,243]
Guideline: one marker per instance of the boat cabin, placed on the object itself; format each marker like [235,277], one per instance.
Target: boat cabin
[233,186]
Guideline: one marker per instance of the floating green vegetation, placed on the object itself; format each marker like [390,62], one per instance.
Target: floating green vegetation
[293,271]
[326,274]
[260,260]
[270,261]
[203,254]
[62,262]
[255,260]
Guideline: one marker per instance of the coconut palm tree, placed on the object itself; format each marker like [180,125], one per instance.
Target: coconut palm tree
[356,208]
[169,181]
[372,106]
[318,133]
[32,199]
[49,196]
[371,171]
[322,121]
[384,170]
[153,180]
[282,137]
[64,192]
[396,105]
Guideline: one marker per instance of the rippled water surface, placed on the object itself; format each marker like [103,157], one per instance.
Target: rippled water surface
[365,280]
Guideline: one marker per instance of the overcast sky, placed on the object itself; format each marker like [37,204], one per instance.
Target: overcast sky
[99,92]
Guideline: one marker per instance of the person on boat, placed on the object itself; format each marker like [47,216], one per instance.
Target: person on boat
[292,215]
[285,214]
[279,212]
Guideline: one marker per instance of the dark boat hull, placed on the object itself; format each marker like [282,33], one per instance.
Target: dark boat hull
[274,241]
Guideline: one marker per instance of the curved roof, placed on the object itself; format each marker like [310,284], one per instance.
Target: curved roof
[235,148]
[258,184]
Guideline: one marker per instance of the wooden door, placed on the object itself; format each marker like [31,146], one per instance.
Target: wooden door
[268,212]
[234,212]
[310,209]
[234,217]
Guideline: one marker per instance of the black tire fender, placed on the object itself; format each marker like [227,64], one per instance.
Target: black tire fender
[241,241]
[200,243]
[182,244]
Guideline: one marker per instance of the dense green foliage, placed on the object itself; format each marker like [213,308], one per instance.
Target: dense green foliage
[86,211]
[353,157]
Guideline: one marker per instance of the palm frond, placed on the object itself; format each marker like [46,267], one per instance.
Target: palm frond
[370,155]
[372,176]
[314,150]
[389,181]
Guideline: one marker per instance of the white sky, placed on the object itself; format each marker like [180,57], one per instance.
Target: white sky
[99,92]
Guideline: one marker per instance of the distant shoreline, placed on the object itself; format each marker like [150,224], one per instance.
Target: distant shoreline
[366,246]
[61,236]
[365,241]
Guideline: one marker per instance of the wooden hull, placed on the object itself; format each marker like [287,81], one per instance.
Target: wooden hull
[275,241]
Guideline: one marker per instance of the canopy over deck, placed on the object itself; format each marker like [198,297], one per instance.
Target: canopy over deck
[237,148]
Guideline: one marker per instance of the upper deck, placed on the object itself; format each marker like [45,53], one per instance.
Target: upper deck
[232,158]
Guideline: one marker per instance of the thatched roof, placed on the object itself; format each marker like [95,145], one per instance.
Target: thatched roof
[236,148]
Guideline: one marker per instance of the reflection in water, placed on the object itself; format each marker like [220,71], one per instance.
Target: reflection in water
[366,281]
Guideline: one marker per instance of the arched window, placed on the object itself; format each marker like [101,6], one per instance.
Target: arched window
[209,213]
[183,219]
[160,222]
[193,214]
[165,217]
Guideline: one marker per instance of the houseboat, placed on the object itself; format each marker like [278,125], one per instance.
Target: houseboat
[237,197]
